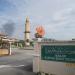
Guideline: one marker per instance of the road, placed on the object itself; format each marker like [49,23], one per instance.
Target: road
[19,63]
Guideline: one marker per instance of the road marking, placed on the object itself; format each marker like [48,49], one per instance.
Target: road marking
[33,54]
[19,66]
[8,66]
[2,66]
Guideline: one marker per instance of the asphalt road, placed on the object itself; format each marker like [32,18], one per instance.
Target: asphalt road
[19,63]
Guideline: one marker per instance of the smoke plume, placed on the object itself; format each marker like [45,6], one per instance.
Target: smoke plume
[8,28]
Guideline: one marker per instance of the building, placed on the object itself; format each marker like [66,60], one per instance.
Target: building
[5,44]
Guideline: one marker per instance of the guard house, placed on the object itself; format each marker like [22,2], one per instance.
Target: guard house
[54,57]
[4,45]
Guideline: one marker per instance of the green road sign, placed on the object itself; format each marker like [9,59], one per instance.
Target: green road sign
[64,53]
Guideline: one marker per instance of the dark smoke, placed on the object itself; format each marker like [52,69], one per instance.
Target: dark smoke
[8,28]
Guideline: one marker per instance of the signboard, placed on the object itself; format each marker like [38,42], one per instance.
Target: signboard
[61,53]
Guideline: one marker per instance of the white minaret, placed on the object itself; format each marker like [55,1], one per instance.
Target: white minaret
[27,32]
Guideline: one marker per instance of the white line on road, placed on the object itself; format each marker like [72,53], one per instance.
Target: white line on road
[33,54]
[8,66]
